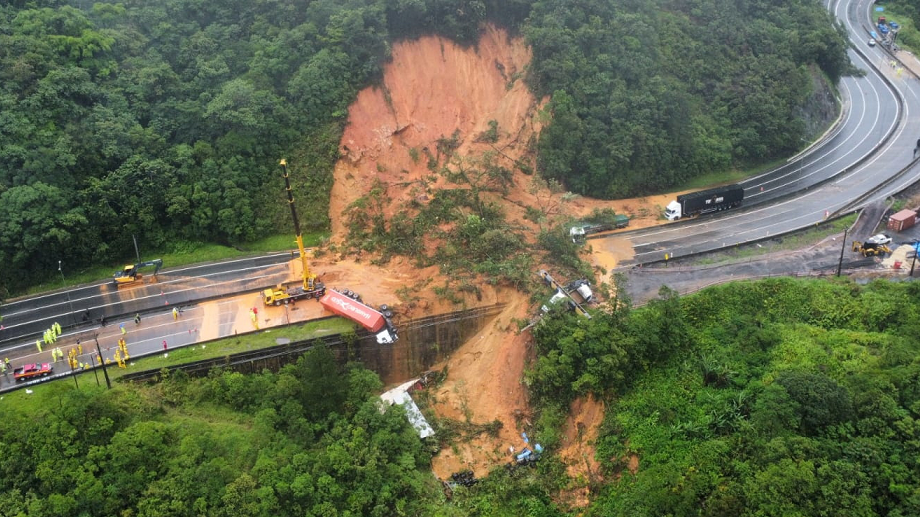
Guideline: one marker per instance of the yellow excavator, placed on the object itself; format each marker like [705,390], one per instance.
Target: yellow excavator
[310,288]
[129,274]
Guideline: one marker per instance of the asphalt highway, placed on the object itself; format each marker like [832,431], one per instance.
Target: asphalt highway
[869,158]
[148,336]
[26,319]
[863,125]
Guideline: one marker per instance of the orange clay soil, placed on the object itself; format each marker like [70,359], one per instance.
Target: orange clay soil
[581,426]
[435,89]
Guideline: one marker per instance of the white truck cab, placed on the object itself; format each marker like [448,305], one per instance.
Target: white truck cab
[385,337]
[585,291]
[672,211]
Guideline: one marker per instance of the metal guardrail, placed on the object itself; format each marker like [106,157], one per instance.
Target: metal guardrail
[851,207]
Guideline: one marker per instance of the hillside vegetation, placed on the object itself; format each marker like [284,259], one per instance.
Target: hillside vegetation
[778,397]
[165,120]
[648,95]
[309,440]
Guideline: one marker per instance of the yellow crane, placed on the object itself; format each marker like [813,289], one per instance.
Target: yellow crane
[311,288]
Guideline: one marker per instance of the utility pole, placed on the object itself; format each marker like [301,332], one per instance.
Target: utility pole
[74,375]
[64,285]
[105,372]
[842,247]
[136,252]
[914,261]
[93,360]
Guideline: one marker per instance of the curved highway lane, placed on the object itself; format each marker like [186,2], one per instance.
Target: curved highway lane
[855,173]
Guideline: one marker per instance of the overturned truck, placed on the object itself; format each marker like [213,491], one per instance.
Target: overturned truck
[376,322]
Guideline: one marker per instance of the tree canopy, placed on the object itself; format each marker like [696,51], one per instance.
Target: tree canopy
[166,120]
[309,440]
[648,95]
[777,397]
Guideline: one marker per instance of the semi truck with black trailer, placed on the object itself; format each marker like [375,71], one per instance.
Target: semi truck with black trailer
[704,202]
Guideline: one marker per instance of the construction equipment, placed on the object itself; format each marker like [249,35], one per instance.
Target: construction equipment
[870,249]
[581,287]
[130,274]
[310,288]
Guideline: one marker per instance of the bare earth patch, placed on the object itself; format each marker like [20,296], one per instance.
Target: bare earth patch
[434,89]
[585,417]
[484,384]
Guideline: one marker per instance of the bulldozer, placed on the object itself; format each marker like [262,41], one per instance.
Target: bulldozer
[870,249]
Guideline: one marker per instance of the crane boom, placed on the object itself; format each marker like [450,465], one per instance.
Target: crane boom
[311,287]
[308,278]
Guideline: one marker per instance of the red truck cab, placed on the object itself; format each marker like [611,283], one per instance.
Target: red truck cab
[28,371]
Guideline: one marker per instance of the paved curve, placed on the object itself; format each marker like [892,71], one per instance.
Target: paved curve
[828,192]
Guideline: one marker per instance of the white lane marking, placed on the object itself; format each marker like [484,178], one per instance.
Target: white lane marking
[190,268]
[217,284]
[65,303]
[815,158]
[865,136]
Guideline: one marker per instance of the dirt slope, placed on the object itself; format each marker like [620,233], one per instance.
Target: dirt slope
[434,89]
[431,89]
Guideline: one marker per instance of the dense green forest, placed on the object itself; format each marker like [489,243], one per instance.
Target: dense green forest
[772,398]
[309,440]
[647,95]
[165,120]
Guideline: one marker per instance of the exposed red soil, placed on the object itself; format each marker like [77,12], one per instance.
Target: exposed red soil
[483,385]
[585,417]
[434,89]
